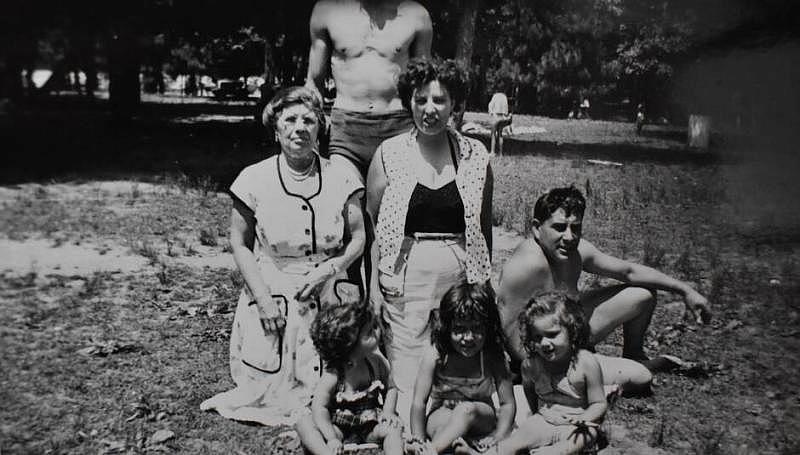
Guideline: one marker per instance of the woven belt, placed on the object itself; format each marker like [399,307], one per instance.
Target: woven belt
[437,235]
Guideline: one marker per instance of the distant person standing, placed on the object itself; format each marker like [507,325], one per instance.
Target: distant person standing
[364,44]
[584,112]
[500,118]
[639,118]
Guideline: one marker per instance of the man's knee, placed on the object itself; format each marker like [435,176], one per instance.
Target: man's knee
[642,300]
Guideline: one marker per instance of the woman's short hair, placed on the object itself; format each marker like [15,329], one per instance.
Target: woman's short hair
[421,71]
[290,96]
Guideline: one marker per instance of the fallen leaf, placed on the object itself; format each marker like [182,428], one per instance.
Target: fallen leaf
[107,348]
[734,324]
[113,446]
[160,436]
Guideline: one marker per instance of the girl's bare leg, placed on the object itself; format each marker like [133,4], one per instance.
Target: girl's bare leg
[445,425]
[393,442]
[310,436]
[573,444]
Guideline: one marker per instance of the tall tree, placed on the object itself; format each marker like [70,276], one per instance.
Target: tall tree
[466,31]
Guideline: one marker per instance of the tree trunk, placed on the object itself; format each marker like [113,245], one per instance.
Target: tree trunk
[269,63]
[12,80]
[124,65]
[86,54]
[466,31]
[699,131]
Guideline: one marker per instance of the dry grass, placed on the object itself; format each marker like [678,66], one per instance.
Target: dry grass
[159,335]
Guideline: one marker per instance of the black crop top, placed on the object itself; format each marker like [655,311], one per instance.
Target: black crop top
[439,210]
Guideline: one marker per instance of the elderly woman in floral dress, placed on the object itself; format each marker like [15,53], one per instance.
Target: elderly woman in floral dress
[291,215]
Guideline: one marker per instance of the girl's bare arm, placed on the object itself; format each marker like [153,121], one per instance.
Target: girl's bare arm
[595,394]
[505,395]
[323,395]
[422,390]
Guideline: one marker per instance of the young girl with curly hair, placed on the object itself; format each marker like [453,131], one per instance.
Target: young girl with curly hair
[562,380]
[354,401]
[459,373]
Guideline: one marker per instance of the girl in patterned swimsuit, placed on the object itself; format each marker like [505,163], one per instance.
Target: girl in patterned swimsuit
[354,401]
[562,381]
[459,373]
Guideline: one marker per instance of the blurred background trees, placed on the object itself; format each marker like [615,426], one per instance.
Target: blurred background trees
[547,55]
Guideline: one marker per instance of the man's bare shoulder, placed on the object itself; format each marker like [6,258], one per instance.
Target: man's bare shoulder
[528,254]
[414,9]
[526,266]
[321,14]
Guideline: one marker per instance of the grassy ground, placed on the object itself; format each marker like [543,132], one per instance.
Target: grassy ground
[118,362]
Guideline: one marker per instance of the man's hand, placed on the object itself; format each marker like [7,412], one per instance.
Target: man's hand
[697,307]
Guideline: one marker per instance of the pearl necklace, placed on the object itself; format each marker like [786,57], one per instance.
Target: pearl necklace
[299,176]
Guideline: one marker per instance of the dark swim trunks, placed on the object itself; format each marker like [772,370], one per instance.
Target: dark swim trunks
[356,135]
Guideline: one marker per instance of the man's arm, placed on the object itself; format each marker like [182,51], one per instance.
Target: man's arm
[597,262]
[421,46]
[319,56]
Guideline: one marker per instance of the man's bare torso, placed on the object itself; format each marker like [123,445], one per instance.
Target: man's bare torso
[370,42]
[528,274]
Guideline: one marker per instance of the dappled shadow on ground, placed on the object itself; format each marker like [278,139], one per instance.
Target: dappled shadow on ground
[101,362]
[673,134]
[79,139]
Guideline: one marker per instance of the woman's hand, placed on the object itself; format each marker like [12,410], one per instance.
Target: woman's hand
[313,280]
[334,445]
[271,318]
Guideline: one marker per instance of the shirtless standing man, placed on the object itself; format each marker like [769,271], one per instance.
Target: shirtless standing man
[553,261]
[364,44]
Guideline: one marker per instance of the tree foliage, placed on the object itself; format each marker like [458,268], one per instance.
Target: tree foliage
[545,54]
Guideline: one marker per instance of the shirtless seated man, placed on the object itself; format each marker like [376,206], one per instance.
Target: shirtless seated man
[553,261]
[365,44]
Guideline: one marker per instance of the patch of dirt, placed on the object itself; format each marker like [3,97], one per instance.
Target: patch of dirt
[42,257]
[116,300]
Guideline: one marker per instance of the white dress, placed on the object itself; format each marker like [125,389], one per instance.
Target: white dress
[275,375]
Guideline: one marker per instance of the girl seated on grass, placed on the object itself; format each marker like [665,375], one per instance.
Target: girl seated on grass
[562,381]
[346,407]
[459,373]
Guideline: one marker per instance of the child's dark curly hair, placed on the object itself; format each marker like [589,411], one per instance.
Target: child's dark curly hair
[421,71]
[570,316]
[335,332]
[472,302]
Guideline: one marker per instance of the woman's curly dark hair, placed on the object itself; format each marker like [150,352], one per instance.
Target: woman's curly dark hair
[472,302]
[570,315]
[335,331]
[421,71]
